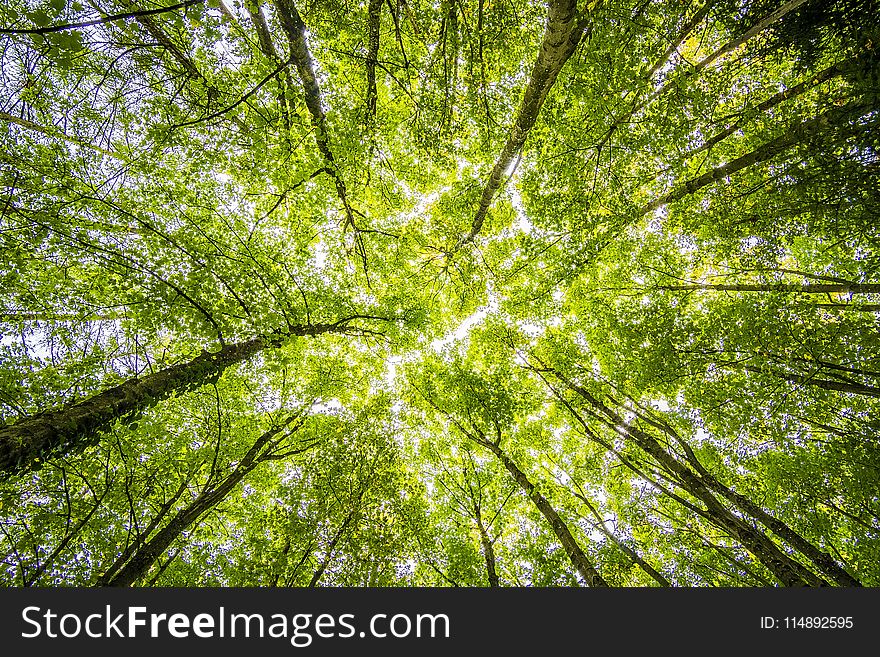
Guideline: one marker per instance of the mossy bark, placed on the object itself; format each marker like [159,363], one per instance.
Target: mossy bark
[561,37]
[560,529]
[24,444]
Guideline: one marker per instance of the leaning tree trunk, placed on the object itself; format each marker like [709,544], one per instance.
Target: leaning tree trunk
[331,547]
[824,384]
[140,562]
[634,556]
[795,288]
[570,545]
[33,438]
[835,118]
[787,570]
[562,36]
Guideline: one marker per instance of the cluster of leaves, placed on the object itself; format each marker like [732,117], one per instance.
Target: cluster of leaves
[655,362]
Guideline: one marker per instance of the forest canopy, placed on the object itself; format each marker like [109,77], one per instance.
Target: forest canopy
[439,293]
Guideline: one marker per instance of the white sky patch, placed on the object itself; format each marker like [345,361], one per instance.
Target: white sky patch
[656,224]
[36,341]
[469,322]
[391,373]
[328,406]
[660,405]
[224,53]
[701,435]
[685,244]
[522,220]
[461,332]
[532,330]
[319,254]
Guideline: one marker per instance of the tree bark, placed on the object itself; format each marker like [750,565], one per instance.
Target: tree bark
[829,73]
[488,552]
[374,16]
[699,66]
[264,38]
[634,556]
[810,288]
[156,31]
[328,554]
[824,384]
[788,571]
[30,439]
[796,134]
[295,29]
[821,559]
[146,555]
[562,35]
[569,544]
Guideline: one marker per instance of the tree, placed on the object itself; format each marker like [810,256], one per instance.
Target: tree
[590,291]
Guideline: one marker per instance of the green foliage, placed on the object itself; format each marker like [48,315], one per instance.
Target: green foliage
[678,276]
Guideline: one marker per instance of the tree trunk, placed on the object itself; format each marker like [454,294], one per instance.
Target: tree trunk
[36,437]
[562,35]
[699,66]
[829,73]
[328,554]
[488,553]
[840,386]
[146,555]
[810,288]
[374,15]
[572,549]
[634,556]
[796,134]
[295,29]
[264,38]
[788,571]
[155,30]
[822,560]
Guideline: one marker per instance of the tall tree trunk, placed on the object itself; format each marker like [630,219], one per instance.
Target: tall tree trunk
[671,83]
[569,544]
[295,29]
[488,552]
[146,555]
[821,559]
[634,556]
[810,288]
[155,30]
[562,35]
[143,536]
[787,570]
[829,73]
[831,119]
[756,29]
[374,16]
[73,428]
[840,386]
[328,553]
[267,47]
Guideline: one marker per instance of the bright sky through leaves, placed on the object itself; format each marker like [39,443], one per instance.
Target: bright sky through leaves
[439,293]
